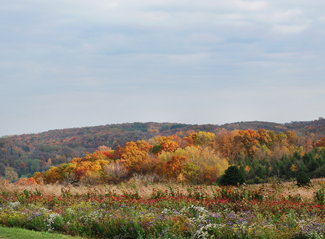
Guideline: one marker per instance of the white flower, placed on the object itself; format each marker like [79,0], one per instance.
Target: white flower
[50,220]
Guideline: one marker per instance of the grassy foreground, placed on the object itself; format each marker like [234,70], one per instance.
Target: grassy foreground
[19,233]
[140,210]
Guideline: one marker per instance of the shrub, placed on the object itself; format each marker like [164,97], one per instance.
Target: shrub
[318,173]
[116,170]
[303,179]
[319,196]
[232,176]
[91,178]
[257,180]
[25,181]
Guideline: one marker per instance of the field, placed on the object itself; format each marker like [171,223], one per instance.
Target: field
[19,233]
[139,209]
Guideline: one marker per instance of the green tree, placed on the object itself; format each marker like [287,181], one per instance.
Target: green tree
[303,179]
[32,165]
[232,176]
[260,171]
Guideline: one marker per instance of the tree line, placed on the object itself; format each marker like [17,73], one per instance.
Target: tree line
[197,158]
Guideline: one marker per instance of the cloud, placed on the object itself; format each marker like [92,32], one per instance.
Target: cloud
[281,16]
[188,58]
[155,16]
[322,19]
[289,29]
[250,5]
[158,60]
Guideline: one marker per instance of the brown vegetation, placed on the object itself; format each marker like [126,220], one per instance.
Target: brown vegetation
[145,187]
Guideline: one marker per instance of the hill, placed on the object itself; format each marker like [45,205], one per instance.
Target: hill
[29,153]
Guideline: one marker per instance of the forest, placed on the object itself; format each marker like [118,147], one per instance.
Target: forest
[260,149]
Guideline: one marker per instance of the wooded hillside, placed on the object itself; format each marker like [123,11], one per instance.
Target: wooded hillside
[30,153]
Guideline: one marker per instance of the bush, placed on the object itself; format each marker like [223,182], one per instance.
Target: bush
[232,176]
[303,179]
[257,180]
[116,170]
[250,181]
[318,173]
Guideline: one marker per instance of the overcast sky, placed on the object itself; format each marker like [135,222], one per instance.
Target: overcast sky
[73,63]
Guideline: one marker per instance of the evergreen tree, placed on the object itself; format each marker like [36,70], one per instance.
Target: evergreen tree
[303,179]
[232,176]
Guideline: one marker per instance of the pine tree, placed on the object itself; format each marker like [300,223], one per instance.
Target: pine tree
[232,176]
[303,179]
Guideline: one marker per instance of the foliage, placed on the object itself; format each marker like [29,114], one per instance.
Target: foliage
[250,140]
[198,157]
[25,181]
[135,154]
[200,138]
[10,174]
[232,176]
[303,179]
[320,196]
[40,151]
[202,165]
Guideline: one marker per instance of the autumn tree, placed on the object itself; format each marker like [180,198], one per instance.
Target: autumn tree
[49,162]
[320,143]
[250,141]
[265,138]
[200,138]
[38,178]
[103,148]
[25,181]
[88,169]
[292,138]
[167,144]
[307,143]
[10,174]
[228,145]
[174,166]
[201,165]
[117,154]
[282,139]
[135,154]
[22,166]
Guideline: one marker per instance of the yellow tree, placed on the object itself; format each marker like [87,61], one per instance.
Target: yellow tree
[200,138]
[292,138]
[250,141]
[293,168]
[265,138]
[167,144]
[135,154]
[10,174]
[201,165]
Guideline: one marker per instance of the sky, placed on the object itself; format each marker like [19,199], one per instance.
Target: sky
[75,63]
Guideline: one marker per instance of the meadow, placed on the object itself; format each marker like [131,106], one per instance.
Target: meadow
[140,209]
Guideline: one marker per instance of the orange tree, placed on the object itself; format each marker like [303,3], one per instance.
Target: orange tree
[134,155]
[250,141]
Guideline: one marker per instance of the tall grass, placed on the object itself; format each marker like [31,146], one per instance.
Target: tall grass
[145,186]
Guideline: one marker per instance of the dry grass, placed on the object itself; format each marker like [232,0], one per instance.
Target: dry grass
[146,188]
